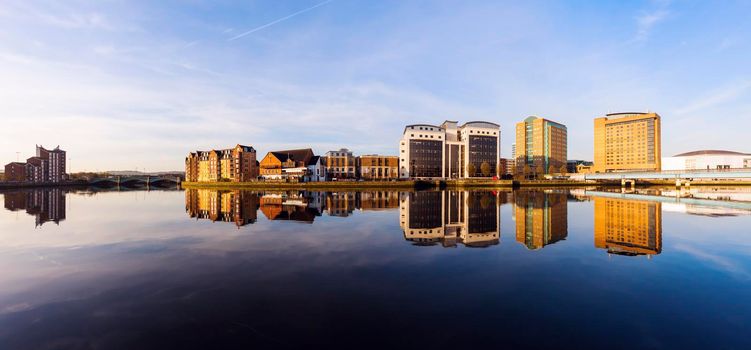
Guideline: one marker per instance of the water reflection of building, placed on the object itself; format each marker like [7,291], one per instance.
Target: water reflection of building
[46,205]
[298,206]
[450,217]
[379,200]
[628,227]
[239,207]
[541,218]
[342,203]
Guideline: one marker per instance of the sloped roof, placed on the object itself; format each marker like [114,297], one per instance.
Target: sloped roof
[293,154]
[313,160]
[711,152]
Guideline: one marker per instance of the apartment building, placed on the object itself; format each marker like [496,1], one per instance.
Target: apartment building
[449,150]
[627,142]
[375,167]
[46,166]
[341,164]
[15,171]
[541,146]
[236,164]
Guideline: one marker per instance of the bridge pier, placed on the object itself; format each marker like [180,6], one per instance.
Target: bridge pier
[631,183]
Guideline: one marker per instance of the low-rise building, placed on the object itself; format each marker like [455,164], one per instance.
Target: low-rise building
[342,164]
[236,164]
[286,164]
[377,167]
[506,166]
[316,170]
[579,166]
[15,171]
[707,160]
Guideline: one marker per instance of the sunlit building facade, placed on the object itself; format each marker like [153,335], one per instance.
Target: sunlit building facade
[378,168]
[541,146]
[236,164]
[627,142]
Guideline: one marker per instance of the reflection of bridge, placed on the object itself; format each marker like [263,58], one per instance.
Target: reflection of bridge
[679,176]
[147,180]
[672,199]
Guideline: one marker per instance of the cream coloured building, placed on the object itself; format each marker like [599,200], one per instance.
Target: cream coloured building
[450,150]
[627,142]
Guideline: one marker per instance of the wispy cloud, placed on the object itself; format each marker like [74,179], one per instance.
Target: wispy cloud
[278,20]
[718,97]
[647,21]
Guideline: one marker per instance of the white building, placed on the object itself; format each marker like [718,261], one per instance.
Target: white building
[450,151]
[707,160]
[316,170]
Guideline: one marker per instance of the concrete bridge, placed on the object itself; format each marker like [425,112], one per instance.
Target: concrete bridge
[148,180]
[680,177]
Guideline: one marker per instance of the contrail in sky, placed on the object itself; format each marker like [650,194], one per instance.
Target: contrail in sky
[278,20]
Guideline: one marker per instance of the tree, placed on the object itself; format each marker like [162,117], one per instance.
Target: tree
[540,170]
[564,170]
[527,171]
[551,170]
[485,168]
[471,168]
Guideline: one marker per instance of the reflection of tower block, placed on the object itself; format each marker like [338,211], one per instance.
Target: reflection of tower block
[628,227]
[451,217]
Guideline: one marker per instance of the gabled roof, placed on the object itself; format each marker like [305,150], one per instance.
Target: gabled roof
[293,154]
[313,160]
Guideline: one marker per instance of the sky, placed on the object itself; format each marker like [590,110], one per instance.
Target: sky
[136,85]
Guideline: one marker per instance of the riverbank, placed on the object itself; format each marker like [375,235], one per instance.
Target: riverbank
[411,184]
[15,185]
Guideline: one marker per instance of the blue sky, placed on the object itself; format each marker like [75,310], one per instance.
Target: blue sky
[126,84]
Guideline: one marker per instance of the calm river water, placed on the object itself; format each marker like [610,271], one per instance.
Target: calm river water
[201,269]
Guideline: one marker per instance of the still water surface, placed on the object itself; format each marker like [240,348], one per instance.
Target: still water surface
[202,269]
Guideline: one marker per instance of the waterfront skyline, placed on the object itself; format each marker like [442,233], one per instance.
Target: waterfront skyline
[138,85]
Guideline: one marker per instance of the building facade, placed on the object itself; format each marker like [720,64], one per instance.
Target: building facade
[342,164]
[286,165]
[236,164]
[15,172]
[316,170]
[707,160]
[579,166]
[450,151]
[541,146]
[46,166]
[378,168]
[627,142]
